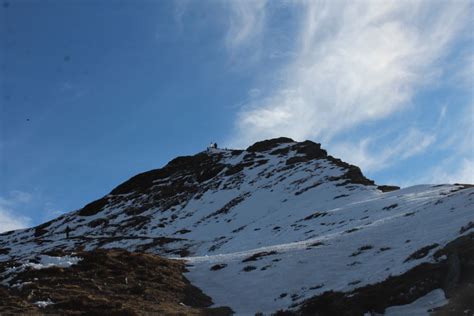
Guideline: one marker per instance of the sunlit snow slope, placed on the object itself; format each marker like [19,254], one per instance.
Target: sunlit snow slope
[265,228]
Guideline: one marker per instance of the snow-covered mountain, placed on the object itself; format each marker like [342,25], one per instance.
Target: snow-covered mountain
[276,226]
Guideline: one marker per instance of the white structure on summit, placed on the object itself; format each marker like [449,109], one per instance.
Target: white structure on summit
[213,146]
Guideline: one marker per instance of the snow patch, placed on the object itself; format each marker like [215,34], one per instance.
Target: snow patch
[421,307]
[43,304]
[44,263]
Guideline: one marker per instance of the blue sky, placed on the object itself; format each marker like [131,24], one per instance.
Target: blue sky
[94,92]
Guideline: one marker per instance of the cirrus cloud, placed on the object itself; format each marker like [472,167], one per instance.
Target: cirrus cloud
[355,62]
[9,205]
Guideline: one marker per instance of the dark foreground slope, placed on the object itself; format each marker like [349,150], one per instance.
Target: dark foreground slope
[107,282]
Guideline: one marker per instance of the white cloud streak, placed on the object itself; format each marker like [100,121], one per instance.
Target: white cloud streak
[356,61]
[411,143]
[9,219]
[246,24]
[462,173]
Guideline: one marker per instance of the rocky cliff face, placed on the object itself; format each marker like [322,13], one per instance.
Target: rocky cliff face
[266,228]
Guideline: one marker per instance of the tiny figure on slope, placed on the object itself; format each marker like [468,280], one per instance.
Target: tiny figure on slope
[68,230]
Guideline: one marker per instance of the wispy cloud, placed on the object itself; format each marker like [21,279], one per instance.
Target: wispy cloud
[180,9]
[246,26]
[462,172]
[459,167]
[357,61]
[466,72]
[363,154]
[9,206]
[247,20]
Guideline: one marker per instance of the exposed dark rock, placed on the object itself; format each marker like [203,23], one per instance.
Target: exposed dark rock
[218,266]
[310,150]
[388,188]
[7,233]
[361,250]
[421,253]
[133,211]
[351,230]
[259,255]
[93,208]
[40,230]
[315,215]
[454,271]
[312,186]
[200,167]
[353,174]
[297,159]
[269,144]
[249,268]
[464,229]
[136,222]
[183,231]
[281,151]
[386,208]
[226,208]
[98,222]
[239,229]
[4,251]
[238,167]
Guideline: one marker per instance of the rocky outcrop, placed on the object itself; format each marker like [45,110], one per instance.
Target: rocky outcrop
[182,177]
[268,144]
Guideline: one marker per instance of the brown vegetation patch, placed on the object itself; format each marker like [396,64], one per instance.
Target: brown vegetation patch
[113,282]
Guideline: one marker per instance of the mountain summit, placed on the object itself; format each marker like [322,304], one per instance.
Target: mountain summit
[280,225]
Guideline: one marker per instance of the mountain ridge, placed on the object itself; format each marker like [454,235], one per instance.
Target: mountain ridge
[251,217]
